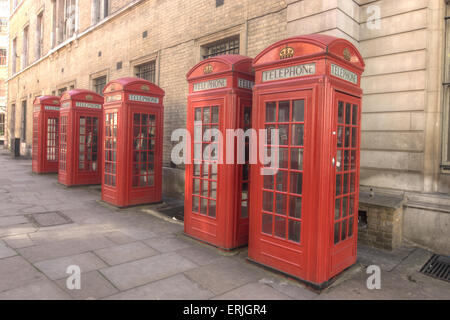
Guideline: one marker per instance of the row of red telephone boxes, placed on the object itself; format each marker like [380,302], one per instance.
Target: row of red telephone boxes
[300,220]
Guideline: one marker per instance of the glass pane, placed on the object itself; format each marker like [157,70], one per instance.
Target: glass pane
[294,230]
[195,204]
[213,190]
[196,186]
[338,184]
[203,206]
[345,207]
[353,160]
[205,186]
[206,115]
[337,209]
[284,111]
[196,170]
[271,112]
[341,112]
[340,137]
[267,220]
[268,182]
[298,110]
[346,184]
[336,232]
[348,112]
[269,129]
[244,209]
[284,158]
[245,191]
[284,135]
[354,137]
[295,207]
[339,159]
[350,227]
[282,181]
[344,230]
[355,115]
[280,227]
[215,115]
[297,159]
[268,201]
[281,204]
[212,208]
[297,134]
[352,182]
[198,114]
[296,183]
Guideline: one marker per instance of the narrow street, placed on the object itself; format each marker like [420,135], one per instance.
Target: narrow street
[131,254]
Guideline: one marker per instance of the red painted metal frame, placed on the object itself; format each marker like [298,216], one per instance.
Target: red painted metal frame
[228,229]
[316,259]
[119,176]
[76,106]
[45,159]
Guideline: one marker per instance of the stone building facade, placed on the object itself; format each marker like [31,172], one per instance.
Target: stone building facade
[61,44]
[4,43]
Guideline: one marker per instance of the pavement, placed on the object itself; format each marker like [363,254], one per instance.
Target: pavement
[139,253]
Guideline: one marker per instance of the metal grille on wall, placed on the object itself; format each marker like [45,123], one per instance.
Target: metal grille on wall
[146,71]
[228,46]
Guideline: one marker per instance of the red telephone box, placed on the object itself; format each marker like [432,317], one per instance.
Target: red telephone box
[216,196]
[80,150]
[304,217]
[45,134]
[133,142]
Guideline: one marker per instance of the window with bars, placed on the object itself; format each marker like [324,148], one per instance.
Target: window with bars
[205,163]
[63,144]
[144,139]
[24,121]
[347,144]
[283,191]
[3,57]
[226,46]
[111,149]
[88,146]
[52,139]
[146,71]
[99,84]
[61,91]
[2,124]
[446,90]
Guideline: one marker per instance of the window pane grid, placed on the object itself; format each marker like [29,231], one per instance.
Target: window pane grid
[146,71]
[228,46]
[205,174]
[99,85]
[63,144]
[283,192]
[246,124]
[35,136]
[111,149]
[88,144]
[346,175]
[144,139]
[52,139]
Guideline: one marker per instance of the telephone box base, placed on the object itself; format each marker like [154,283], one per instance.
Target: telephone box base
[214,245]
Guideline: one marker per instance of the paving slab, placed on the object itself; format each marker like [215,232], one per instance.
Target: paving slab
[177,287]
[6,252]
[57,268]
[38,290]
[18,242]
[64,248]
[118,237]
[168,244]
[290,288]
[125,253]
[17,230]
[12,220]
[200,255]
[93,286]
[140,272]
[225,275]
[253,291]
[16,272]
[386,260]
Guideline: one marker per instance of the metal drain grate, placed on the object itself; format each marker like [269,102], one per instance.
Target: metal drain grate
[49,219]
[437,267]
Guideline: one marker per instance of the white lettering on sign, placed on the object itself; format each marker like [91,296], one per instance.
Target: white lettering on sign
[344,74]
[135,97]
[117,97]
[245,84]
[88,105]
[50,108]
[211,84]
[289,72]
[65,105]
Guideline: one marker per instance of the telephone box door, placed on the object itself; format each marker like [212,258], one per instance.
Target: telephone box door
[206,176]
[278,234]
[345,182]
